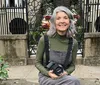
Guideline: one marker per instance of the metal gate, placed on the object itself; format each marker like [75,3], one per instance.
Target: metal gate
[91,15]
[13,17]
[36,11]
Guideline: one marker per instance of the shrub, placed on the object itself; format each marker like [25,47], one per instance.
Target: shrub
[3,69]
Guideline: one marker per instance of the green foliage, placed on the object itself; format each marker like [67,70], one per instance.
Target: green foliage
[3,69]
[80,36]
[74,2]
[34,37]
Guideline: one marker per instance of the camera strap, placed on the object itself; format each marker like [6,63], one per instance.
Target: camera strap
[46,41]
[69,53]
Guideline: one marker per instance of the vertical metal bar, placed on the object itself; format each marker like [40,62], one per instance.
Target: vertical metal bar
[6,18]
[10,16]
[18,4]
[83,7]
[5,29]
[87,22]
[94,6]
[23,14]
[83,23]
[93,15]
[0,4]
[14,10]
[3,19]
[27,27]
[90,10]
[98,16]
[82,10]
[97,8]
[19,10]
[86,16]
[27,15]
[23,7]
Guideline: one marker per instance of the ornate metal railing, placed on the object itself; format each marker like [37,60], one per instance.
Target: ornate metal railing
[36,10]
[13,17]
[91,15]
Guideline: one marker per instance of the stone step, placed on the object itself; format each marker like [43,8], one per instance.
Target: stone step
[87,81]
[88,75]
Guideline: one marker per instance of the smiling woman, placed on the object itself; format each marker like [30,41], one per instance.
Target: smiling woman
[56,53]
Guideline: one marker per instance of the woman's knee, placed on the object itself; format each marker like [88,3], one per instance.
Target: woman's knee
[74,80]
[77,82]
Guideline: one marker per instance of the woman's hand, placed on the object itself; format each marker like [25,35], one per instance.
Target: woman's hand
[64,73]
[52,75]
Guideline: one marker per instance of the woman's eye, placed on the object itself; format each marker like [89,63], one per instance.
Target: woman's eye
[65,17]
[57,18]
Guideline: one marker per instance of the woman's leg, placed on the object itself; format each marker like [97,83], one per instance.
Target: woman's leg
[44,80]
[65,80]
[68,80]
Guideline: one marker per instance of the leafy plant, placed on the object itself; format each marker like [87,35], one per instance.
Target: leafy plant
[3,69]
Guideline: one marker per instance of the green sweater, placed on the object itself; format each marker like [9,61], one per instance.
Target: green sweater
[57,43]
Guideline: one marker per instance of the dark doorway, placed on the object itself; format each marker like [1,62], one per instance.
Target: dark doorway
[18,26]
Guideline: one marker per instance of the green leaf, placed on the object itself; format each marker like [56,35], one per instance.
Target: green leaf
[3,70]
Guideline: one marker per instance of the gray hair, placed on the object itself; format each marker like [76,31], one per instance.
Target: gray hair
[71,30]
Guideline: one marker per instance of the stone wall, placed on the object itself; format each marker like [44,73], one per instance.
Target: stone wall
[92,49]
[14,49]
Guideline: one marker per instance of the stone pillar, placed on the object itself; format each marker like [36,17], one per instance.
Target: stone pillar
[14,49]
[91,49]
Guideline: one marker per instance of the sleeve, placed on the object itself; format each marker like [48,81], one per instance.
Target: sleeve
[39,54]
[71,68]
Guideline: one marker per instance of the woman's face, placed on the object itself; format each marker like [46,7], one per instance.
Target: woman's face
[62,21]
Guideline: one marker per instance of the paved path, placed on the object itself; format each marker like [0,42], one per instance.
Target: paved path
[30,73]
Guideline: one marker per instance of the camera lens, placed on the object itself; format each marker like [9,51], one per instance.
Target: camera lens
[58,70]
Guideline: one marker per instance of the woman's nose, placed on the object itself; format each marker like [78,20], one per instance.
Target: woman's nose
[62,20]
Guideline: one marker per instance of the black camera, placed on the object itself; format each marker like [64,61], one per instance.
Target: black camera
[57,68]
